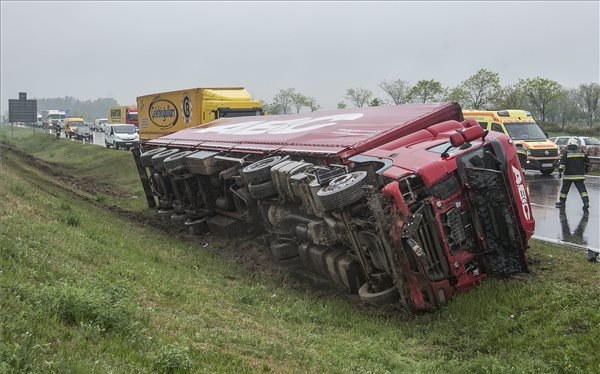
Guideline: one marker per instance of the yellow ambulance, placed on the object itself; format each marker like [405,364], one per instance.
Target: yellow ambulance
[71,125]
[536,151]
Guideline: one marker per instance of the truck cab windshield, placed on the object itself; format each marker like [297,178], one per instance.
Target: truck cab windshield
[524,131]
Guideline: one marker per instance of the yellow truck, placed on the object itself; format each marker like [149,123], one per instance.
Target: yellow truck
[123,114]
[164,113]
[71,125]
[536,151]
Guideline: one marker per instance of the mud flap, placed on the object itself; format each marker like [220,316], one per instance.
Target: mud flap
[143,177]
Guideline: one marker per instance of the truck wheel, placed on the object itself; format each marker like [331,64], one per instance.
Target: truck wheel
[262,190]
[115,145]
[260,171]
[106,144]
[388,296]
[547,171]
[284,249]
[343,190]
[146,157]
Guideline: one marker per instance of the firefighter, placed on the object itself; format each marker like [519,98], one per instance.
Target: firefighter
[574,163]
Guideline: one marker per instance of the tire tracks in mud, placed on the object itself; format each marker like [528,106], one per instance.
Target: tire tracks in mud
[251,253]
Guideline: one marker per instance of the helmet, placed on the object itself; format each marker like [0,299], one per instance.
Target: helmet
[573,141]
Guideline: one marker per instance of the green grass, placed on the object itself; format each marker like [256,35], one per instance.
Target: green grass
[86,291]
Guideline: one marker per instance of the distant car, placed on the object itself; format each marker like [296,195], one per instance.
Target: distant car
[99,124]
[83,132]
[590,145]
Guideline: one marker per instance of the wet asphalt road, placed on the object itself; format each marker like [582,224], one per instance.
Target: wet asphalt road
[569,226]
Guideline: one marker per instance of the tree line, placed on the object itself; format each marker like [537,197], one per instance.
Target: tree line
[88,109]
[548,100]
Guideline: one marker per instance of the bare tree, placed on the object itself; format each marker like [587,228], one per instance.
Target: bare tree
[298,101]
[398,90]
[588,97]
[358,96]
[283,99]
[312,104]
[566,108]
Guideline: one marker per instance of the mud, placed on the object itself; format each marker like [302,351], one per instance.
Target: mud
[251,252]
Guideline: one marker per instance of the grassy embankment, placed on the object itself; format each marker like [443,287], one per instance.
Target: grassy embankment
[83,290]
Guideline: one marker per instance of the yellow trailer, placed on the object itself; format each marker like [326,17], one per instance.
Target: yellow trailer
[164,113]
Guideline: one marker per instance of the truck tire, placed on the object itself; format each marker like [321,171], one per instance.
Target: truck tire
[342,191]
[262,190]
[547,171]
[388,296]
[106,144]
[146,157]
[284,249]
[260,171]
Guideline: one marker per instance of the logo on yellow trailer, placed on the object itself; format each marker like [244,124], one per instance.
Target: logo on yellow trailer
[186,107]
[163,113]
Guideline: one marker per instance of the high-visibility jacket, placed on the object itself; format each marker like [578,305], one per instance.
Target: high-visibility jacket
[574,164]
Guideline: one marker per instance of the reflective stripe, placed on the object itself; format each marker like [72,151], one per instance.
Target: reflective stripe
[575,155]
[584,194]
[574,177]
[563,196]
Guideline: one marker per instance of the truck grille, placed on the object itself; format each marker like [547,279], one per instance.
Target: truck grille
[425,231]
[542,152]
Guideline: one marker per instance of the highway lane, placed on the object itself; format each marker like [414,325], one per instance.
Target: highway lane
[570,226]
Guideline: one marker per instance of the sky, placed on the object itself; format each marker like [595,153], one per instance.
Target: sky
[121,50]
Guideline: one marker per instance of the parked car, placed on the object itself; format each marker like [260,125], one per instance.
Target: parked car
[589,144]
[83,132]
[121,136]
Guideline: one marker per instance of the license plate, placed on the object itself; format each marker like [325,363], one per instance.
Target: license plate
[547,165]
[128,143]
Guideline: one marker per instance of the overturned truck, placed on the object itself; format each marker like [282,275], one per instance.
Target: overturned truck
[404,204]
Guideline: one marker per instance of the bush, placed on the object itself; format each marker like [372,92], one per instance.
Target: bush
[89,306]
[173,359]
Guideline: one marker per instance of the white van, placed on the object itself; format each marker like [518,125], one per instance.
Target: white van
[121,135]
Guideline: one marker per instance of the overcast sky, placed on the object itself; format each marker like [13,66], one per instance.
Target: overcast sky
[122,50]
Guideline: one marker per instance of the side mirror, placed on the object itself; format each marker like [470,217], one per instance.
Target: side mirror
[457,139]
[473,133]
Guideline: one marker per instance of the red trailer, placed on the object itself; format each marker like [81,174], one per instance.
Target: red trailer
[401,204]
